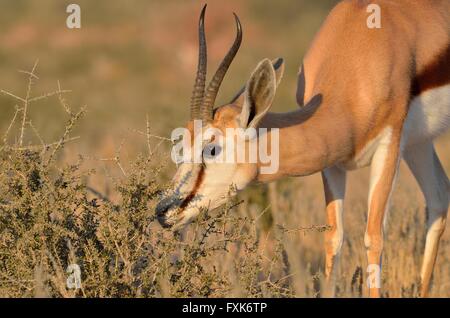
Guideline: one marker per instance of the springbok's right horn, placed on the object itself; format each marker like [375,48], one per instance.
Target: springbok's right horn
[214,85]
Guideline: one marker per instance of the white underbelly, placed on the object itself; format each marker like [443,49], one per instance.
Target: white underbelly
[428,116]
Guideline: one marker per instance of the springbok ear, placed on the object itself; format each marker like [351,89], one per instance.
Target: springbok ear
[278,65]
[258,95]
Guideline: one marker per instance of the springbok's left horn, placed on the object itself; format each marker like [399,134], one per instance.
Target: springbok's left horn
[199,86]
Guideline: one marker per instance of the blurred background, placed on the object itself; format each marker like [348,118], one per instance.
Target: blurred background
[139,57]
[133,59]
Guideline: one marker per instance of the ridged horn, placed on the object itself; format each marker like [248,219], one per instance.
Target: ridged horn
[199,85]
[206,109]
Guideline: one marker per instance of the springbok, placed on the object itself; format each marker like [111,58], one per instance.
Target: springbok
[373,96]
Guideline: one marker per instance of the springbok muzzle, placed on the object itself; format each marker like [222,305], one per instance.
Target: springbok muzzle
[165,205]
[171,208]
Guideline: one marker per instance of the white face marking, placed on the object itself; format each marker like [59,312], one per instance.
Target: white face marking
[207,185]
[428,116]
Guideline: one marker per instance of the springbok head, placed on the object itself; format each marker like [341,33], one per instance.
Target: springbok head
[221,146]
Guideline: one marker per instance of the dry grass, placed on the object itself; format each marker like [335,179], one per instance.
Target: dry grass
[51,218]
[266,243]
[58,207]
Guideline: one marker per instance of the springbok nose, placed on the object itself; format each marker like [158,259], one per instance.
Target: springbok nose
[165,204]
[161,210]
[162,207]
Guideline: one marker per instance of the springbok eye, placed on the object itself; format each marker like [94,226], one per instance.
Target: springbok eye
[211,150]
